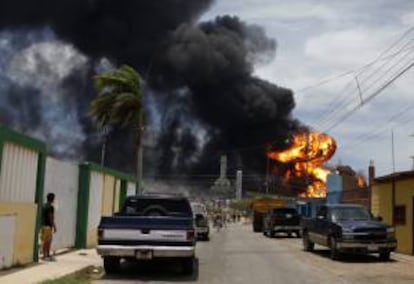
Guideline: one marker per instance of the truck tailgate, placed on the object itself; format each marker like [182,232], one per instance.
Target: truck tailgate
[135,230]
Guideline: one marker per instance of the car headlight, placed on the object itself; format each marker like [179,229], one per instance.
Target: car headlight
[347,236]
[391,232]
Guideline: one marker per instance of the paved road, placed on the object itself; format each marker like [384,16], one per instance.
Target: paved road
[237,255]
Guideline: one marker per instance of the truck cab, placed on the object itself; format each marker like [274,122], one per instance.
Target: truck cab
[348,228]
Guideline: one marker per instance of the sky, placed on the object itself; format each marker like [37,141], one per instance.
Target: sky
[340,59]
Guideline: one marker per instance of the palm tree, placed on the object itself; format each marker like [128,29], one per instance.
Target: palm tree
[119,103]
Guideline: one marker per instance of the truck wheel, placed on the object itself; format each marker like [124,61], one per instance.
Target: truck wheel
[308,245]
[188,265]
[111,264]
[298,235]
[385,256]
[334,254]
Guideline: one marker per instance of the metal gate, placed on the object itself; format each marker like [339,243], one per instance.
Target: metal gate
[62,179]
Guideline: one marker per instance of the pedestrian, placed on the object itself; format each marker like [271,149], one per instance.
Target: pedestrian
[48,226]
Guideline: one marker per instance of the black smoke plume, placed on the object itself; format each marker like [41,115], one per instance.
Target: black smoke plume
[202,97]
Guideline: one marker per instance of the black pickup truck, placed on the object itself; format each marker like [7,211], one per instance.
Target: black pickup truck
[348,229]
[148,227]
[282,219]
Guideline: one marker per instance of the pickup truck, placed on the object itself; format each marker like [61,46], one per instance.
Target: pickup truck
[282,219]
[148,227]
[348,229]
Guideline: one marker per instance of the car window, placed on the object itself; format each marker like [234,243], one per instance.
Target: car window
[322,212]
[157,207]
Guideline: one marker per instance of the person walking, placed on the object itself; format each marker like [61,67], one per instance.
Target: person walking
[48,226]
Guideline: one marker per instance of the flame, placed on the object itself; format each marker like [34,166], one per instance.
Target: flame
[361,182]
[308,152]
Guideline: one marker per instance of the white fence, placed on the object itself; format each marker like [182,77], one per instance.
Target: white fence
[62,179]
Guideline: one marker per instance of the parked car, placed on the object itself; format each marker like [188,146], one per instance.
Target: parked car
[201,220]
[202,227]
[148,227]
[348,229]
[282,219]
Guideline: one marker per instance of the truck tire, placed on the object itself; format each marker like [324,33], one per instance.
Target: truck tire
[334,254]
[111,264]
[385,256]
[308,245]
[188,265]
[298,234]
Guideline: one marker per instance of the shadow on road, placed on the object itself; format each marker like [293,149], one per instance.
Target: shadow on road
[354,258]
[157,270]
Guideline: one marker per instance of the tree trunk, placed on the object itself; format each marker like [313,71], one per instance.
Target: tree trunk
[139,155]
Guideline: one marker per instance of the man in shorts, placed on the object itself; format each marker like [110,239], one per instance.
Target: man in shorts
[48,226]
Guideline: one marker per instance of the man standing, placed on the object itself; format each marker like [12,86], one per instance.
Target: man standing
[48,226]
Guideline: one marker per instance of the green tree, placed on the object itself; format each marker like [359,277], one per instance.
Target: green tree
[119,102]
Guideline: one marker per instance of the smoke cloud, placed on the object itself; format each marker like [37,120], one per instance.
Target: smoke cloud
[201,97]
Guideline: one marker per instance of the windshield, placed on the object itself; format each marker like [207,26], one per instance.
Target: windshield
[284,211]
[350,213]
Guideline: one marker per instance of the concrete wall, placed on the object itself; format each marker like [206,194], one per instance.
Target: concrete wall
[404,196]
[381,201]
[22,166]
[96,189]
[24,229]
[7,237]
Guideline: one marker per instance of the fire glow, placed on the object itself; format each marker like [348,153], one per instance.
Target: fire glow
[308,153]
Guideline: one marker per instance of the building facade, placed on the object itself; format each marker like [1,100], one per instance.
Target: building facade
[392,198]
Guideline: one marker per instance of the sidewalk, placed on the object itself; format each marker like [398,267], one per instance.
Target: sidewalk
[65,264]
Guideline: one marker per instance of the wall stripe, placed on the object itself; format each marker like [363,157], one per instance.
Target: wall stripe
[83,204]
[123,193]
[40,183]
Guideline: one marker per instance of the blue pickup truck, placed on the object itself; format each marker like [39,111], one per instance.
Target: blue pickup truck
[148,227]
[348,229]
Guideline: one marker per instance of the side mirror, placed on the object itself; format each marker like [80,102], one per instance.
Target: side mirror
[379,219]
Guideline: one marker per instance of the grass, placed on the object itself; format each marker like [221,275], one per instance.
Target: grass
[79,278]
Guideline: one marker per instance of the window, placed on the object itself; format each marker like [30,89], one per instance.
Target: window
[399,215]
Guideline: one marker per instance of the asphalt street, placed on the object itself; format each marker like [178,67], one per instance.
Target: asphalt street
[237,255]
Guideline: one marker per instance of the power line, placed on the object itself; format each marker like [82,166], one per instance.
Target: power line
[344,100]
[345,106]
[346,73]
[372,96]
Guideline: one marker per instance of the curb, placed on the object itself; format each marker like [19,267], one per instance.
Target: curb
[403,257]
[87,270]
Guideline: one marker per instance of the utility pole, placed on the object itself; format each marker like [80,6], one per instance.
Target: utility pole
[105,133]
[140,132]
[393,150]
[307,162]
[412,158]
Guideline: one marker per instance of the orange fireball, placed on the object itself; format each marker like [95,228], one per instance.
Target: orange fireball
[308,152]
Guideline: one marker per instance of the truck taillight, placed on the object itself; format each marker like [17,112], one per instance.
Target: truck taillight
[101,233]
[190,235]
